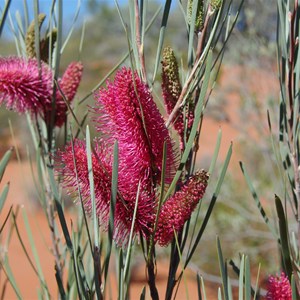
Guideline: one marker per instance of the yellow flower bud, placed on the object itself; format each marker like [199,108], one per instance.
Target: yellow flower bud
[44,45]
[199,15]
[30,36]
[171,72]
[215,4]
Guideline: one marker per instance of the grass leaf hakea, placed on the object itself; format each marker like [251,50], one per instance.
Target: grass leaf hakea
[24,87]
[125,111]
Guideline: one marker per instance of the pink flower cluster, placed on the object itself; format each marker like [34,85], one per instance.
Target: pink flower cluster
[279,288]
[26,87]
[125,111]
[177,209]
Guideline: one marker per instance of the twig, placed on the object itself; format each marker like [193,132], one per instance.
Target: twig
[151,279]
[203,33]
[54,239]
[140,46]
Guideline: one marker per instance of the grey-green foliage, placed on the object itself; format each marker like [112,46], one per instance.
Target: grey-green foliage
[3,164]
[285,143]
[4,12]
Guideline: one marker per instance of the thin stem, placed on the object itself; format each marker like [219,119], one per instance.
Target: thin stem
[201,39]
[55,249]
[151,269]
[174,262]
[140,46]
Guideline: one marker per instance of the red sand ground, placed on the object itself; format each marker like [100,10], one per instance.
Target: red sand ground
[236,82]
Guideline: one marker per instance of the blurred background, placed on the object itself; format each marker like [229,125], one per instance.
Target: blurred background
[247,87]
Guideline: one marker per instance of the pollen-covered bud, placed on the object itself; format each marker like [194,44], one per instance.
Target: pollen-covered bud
[171,90]
[171,87]
[215,4]
[171,73]
[30,36]
[45,44]
[199,14]
[178,209]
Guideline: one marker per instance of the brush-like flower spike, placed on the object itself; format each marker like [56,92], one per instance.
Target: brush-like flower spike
[68,84]
[199,15]
[145,214]
[127,113]
[178,208]
[216,4]
[23,87]
[101,171]
[30,36]
[279,288]
[171,89]
[70,80]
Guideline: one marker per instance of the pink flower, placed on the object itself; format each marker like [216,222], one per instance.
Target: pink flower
[70,80]
[127,113]
[22,86]
[279,288]
[68,85]
[178,208]
[101,171]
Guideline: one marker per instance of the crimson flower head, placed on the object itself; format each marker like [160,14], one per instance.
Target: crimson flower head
[279,288]
[68,85]
[125,112]
[23,87]
[178,208]
[70,80]
[72,163]
[26,87]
